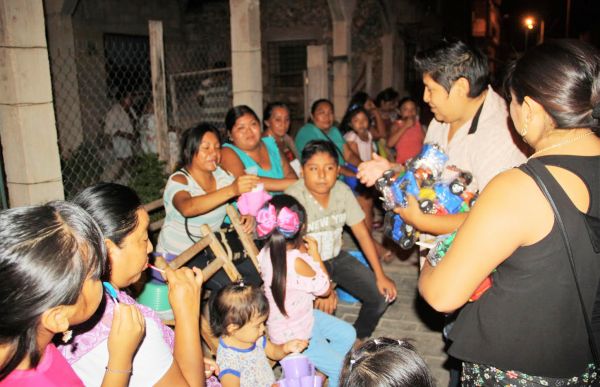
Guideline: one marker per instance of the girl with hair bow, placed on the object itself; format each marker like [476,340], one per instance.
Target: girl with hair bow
[293,275]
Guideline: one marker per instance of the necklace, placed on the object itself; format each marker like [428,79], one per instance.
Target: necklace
[569,141]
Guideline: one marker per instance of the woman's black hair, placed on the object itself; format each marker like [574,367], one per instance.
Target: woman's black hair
[318,146]
[360,98]
[278,242]
[452,59]
[386,95]
[191,139]
[236,112]
[405,100]
[46,254]
[570,91]
[353,110]
[269,110]
[114,208]
[385,362]
[316,104]
[236,303]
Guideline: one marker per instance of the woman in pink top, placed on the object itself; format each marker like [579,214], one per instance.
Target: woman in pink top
[406,134]
[51,259]
[293,275]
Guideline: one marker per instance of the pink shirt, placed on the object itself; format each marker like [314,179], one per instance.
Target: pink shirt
[300,292]
[410,143]
[52,370]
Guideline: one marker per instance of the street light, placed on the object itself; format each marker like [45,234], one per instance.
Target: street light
[529,24]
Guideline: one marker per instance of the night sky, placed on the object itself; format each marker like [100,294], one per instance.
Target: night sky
[584,20]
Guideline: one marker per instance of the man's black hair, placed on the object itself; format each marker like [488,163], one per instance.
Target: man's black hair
[317,146]
[450,60]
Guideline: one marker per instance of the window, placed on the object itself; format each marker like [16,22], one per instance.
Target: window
[287,61]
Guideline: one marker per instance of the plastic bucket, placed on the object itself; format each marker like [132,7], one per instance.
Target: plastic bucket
[155,296]
[341,293]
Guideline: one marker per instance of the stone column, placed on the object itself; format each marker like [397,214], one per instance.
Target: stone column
[341,12]
[61,45]
[387,60]
[316,71]
[246,65]
[27,124]
[392,44]
[392,62]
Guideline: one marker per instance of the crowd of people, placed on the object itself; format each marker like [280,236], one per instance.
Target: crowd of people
[535,229]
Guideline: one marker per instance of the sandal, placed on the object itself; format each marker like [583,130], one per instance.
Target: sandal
[387,257]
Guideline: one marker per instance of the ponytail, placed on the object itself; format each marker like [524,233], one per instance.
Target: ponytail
[281,221]
[278,252]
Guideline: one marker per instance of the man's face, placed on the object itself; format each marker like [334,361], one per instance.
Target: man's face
[320,173]
[446,106]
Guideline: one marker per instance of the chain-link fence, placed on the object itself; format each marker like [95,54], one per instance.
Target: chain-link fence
[104,107]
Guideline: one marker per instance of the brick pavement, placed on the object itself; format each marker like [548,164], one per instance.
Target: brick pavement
[408,317]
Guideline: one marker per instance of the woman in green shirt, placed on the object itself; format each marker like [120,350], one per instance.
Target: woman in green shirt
[321,128]
[248,151]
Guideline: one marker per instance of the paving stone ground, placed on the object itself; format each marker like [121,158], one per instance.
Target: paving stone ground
[409,316]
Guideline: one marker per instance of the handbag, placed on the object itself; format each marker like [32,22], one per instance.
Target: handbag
[531,166]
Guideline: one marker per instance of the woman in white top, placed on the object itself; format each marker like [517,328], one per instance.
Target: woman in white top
[197,194]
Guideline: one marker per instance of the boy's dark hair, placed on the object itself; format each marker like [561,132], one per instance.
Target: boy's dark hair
[191,139]
[46,254]
[277,244]
[317,146]
[353,110]
[571,88]
[236,112]
[236,303]
[386,95]
[450,60]
[385,362]
[316,104]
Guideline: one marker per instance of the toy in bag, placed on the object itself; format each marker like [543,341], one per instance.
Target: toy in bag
[431,159]
[399,231]
[439,189]
[394,191]
[439,250]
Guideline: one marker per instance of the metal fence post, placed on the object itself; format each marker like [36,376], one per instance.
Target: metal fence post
[159,90]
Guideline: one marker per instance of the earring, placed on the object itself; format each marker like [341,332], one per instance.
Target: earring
[525,128]
[67,335]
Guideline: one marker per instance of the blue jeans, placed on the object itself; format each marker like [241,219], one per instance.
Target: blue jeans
[331,339]
[359,281]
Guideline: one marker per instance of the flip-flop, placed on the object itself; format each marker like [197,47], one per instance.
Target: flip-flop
[388,257]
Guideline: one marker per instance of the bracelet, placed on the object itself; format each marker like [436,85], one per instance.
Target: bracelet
[118,371]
